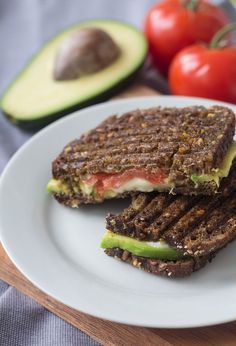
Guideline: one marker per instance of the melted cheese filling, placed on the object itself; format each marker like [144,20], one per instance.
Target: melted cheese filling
[143,185]
[134,184]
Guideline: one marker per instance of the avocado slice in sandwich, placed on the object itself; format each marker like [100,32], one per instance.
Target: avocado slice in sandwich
[47,88]
[173,236]
[217,174]
[158,250]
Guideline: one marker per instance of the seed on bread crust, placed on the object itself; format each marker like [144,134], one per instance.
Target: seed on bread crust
[179,141]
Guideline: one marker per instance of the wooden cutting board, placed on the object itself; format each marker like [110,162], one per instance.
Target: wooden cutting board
[109,333]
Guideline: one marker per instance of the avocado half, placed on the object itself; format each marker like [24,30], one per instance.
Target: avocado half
[34,98]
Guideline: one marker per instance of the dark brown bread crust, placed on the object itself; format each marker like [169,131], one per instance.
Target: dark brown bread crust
[74,200]
[172,269]
[180,141]
[196,225]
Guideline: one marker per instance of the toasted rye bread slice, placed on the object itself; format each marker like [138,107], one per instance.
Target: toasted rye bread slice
[178,141]
[196,225]
[172,269]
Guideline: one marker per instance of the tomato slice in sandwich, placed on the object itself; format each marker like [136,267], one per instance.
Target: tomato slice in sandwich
[106,181]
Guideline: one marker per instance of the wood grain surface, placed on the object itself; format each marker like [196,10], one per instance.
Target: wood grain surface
[109,333]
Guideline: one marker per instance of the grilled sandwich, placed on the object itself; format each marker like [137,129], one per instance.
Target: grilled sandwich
[179,150]
[173,235]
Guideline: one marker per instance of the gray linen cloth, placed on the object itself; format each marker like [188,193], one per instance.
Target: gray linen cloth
[24,26]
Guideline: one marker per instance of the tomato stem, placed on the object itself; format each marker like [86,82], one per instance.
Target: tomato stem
[215,42]
[192,5]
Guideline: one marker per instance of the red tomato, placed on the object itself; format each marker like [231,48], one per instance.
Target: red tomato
[205,72]
[106,181]
[171,26]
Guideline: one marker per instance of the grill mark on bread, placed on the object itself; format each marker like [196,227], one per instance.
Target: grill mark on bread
[147,215]
[122,223]
[123,149]
[76,145]
[189,220]
[210,233]
[169,216]
[144,128]
[180,141]
[198,226]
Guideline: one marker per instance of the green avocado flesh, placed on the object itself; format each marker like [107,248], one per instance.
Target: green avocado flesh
[57,186]
[158,250]
[35,96]
[218,173]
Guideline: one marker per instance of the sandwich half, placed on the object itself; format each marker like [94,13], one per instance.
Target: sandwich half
[179,150]
[173,235]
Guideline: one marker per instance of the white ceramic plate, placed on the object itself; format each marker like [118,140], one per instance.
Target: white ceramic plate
[57,248]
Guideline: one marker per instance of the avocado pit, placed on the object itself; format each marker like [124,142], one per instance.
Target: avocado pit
[84,51]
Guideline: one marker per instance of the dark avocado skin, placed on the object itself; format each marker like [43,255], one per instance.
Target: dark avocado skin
[41,122]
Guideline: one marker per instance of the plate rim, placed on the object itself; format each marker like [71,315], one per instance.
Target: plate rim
[36,137]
